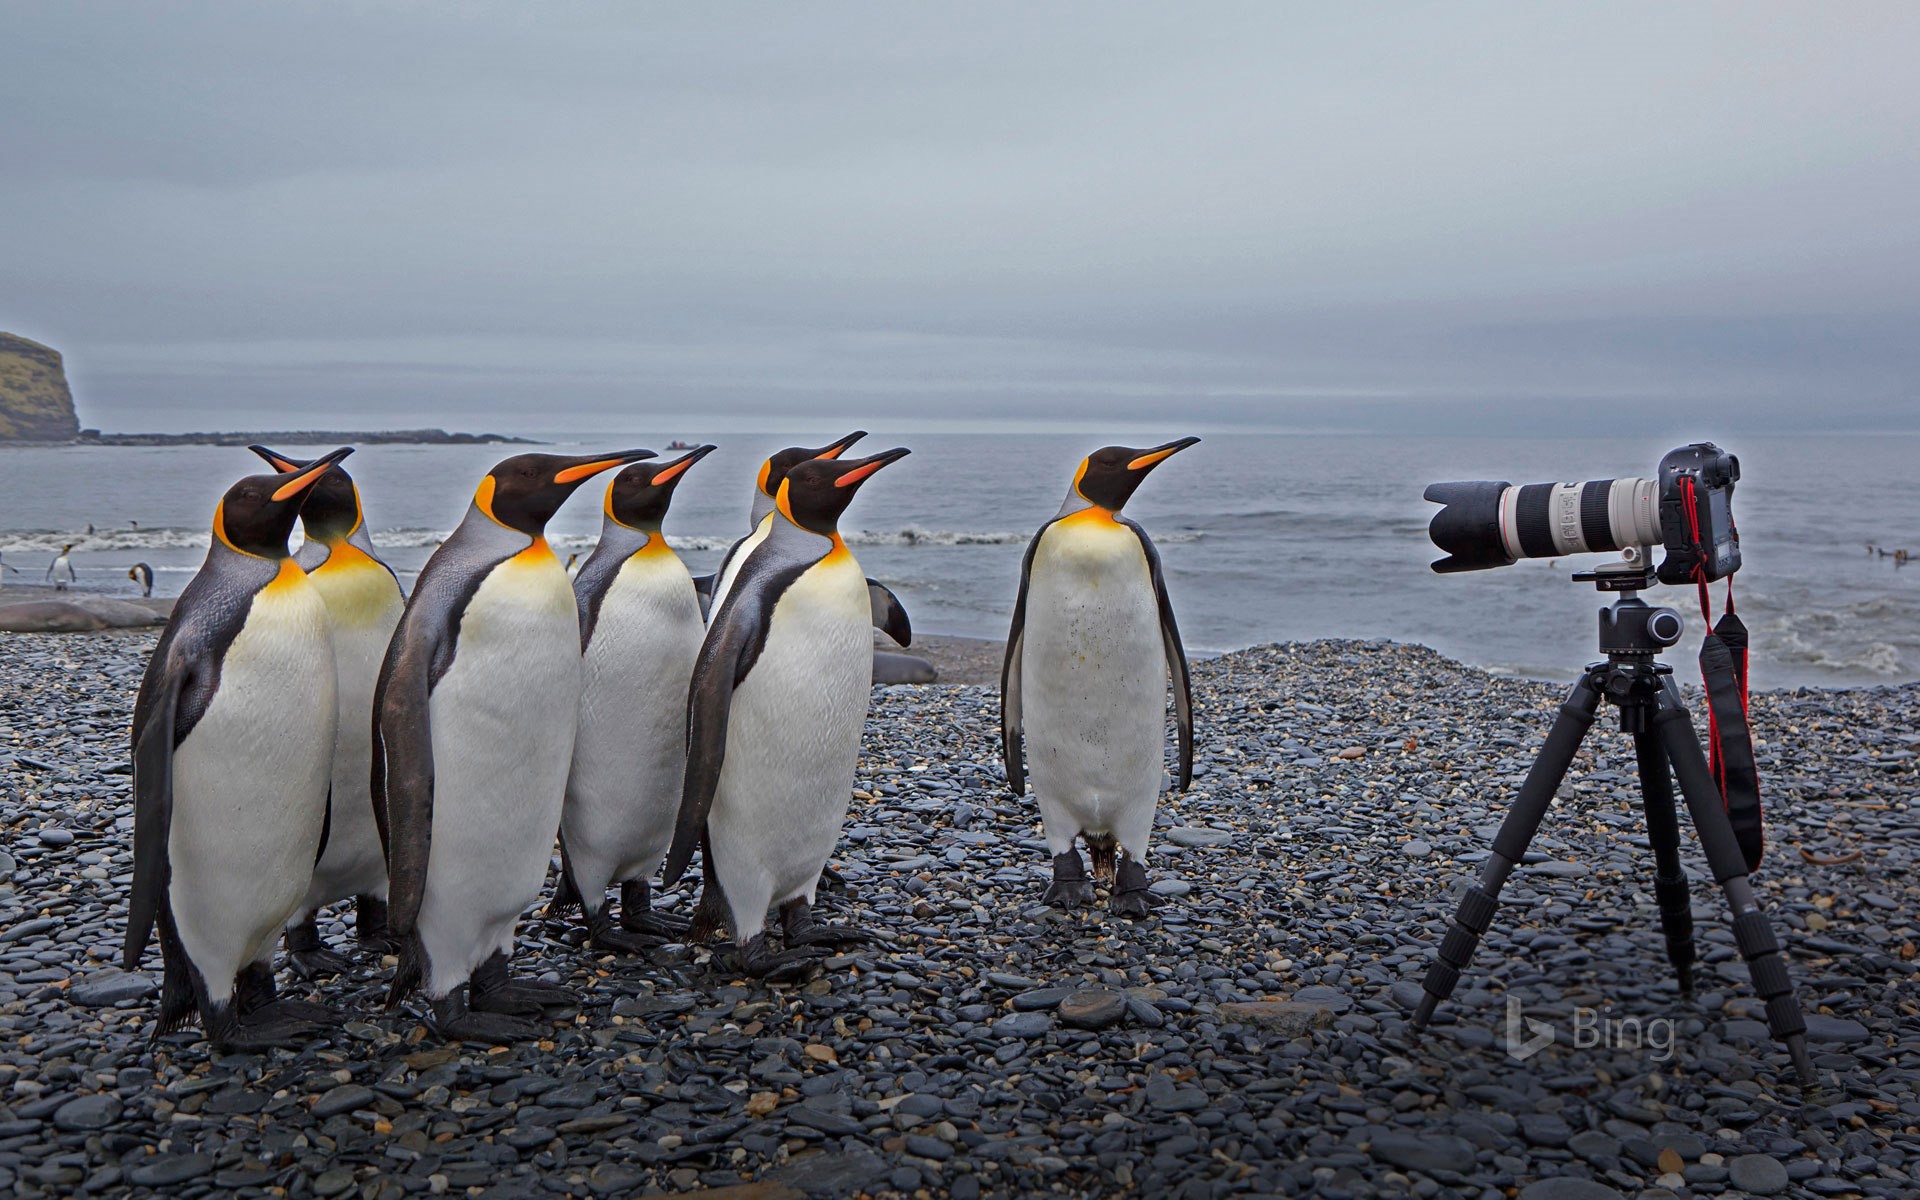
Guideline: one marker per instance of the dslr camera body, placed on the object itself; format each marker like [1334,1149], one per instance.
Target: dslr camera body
[1687,509]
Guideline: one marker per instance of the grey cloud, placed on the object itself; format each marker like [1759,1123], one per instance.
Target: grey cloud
[1400,218]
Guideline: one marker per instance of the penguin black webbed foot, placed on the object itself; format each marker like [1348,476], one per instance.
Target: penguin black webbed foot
[491,990]
[604,935]
[637,915]
[1071,888]
[800,929]
[1132,896]
[298,1010]
[370,926]
[320,963]
[759,959]
[260,1031]
[455,1021]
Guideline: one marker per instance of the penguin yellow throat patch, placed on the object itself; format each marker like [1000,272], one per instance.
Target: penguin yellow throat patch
[1093,515]
[289,578]
[534,553]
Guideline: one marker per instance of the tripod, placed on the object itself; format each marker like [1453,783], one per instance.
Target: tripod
[1631,634]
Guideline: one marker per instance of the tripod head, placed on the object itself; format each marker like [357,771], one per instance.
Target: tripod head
[1631,630]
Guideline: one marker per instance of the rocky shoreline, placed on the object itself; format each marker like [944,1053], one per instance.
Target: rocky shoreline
[1248,1039]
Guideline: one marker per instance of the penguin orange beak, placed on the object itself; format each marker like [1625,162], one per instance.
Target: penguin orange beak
[861,470]
[841,446]
[588,467]
[305,479]
[677,467]
[1160,454]
[276,460]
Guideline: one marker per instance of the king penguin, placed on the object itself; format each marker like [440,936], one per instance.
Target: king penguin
[640,628]
[363,606]
[766,486]
[1091,649]
[775,711]
[474,718]
[233,735]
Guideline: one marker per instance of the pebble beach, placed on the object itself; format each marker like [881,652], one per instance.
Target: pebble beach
[1250,1038]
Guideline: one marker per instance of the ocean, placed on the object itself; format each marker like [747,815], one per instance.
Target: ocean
[1265,536]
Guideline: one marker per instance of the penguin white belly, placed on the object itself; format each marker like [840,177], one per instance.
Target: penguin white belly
[793,740]
[724,584]
[1094,683]
[630,755]
[250,785]
[363,606]
[503,720]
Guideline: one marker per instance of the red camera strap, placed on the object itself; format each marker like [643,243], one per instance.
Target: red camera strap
[1723,672]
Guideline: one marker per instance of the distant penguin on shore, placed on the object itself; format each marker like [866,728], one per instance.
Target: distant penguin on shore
[775,713]
[62,563]
[232,742]
[1089,655]
[475,713]
[640,629]
[363,606]
[573,566]
[142,574]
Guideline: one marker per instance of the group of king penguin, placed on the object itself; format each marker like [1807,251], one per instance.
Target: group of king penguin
[306,734]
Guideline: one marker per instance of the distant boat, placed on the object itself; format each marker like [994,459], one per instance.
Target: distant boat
[677,444]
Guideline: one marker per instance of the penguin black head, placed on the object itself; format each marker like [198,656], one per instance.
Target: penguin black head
[639,495]
[775,468]
[257,514]
[1108,476]
[523,492]
[332,510]
[818,490]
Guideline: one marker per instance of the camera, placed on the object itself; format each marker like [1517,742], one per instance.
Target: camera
[1687,509]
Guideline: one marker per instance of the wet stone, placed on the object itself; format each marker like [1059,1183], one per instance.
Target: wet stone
[1759,1174]
[1428,1153]
[87,1113]
[1093,1009]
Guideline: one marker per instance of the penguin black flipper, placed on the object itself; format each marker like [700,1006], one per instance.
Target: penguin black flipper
[734,641]
[402,780]
[172,699]
[153,744]
[1010,744]
[1176,656]
[889,615]
[703,586]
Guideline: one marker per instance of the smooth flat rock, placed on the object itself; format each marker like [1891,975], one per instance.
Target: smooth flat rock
[1288,1018]
[1023,1025]
[1822,1028]
[1195,836]
[103,989]
[831,1174]
[1095,1008]
[1760,1174]
[342,1099]
[1430,1152]
[87,1113]
[1566,1187]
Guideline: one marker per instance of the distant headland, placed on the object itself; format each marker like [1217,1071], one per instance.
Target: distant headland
[36,406]
[301,437]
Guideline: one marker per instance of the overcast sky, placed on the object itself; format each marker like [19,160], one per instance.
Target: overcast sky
[1348,216]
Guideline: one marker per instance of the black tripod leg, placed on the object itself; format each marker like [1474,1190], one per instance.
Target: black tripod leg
[1510,845]
[1669,880]
[1751,932]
